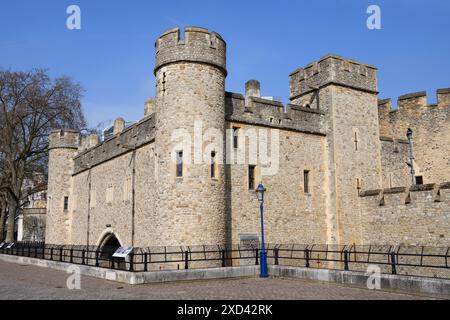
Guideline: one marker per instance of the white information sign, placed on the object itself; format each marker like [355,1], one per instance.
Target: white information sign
[122,252]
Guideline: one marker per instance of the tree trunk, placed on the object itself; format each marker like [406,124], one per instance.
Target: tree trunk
[2,221]
[11,221]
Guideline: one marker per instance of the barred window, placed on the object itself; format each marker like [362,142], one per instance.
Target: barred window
[66,203]
[251,177]
[306,181]
[179,164]
[213,164]
[235,137]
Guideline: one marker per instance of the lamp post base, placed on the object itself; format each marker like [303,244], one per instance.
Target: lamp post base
[263,266]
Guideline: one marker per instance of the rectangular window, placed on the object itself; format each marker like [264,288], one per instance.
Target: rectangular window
[419,180]
[66,203]
[93,199]
[306,181]
[127,189]
[179,163]
[213,164]
[235,137]
[109,194]
[251,177]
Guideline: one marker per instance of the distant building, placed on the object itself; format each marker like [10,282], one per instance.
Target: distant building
[30,223]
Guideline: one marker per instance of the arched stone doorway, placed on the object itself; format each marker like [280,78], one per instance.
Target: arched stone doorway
[108,245]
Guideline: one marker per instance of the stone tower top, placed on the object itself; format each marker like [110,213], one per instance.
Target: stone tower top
[67,139]
[333,69]
[197,45]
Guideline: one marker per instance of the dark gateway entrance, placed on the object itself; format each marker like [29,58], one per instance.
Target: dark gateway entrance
[108,246]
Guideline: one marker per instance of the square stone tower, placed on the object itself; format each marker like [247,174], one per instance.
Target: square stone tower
[347,91]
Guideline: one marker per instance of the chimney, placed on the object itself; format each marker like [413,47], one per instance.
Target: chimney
[149,107]
[92,140]
[252,89]
[119,125]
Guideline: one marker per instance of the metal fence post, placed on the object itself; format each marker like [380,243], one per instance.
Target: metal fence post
[307,258]
[223,258]
[186,257]
[83,256]
[275,253]
[393,263]
[112,262]
[61,254]
[256,256]
[346,260]
[145,262]
[35,252]
[71,255]
[96,258]
[131,260]
[51,253]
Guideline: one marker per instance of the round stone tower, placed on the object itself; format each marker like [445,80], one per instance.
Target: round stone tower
[190,133]
[63,145]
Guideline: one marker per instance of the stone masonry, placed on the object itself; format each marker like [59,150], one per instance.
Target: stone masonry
[333,160]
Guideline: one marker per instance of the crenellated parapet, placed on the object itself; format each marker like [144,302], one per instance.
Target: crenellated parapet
[426,193]
[417,215]
[64,139]
[197,45]
[413,110]
[132,137]
[333,69]
[416,102]
[259,111]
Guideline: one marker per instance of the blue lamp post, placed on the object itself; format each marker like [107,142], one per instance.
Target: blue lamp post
[263,260]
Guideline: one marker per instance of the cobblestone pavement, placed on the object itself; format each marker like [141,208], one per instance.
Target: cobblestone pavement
[31,282]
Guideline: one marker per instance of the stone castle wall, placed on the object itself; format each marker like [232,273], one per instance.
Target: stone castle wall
[431,131]
[291,215]
[418,215]
[334,128]
[394,156]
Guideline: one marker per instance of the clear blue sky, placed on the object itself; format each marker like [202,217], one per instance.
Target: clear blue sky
[113,54]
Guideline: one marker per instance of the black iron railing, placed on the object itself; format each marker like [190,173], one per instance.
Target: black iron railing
[410,260]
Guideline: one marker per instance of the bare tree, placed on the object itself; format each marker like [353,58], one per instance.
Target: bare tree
[2,215]
[31,105]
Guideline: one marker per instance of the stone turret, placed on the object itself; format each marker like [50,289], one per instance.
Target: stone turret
[190,91]
[63,144]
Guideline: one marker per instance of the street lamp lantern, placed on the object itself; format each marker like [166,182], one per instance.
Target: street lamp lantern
[260,192]
[409,133]
[263,257]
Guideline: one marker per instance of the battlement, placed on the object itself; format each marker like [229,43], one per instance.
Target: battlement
[416,101]
[333,69]
[67,139]
[132,137]
[406,195]
[274,114]
[197,45]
